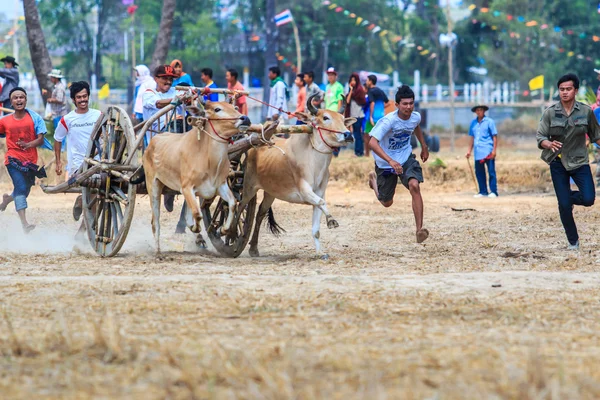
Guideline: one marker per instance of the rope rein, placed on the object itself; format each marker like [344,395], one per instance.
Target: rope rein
[311,123]
[206,91]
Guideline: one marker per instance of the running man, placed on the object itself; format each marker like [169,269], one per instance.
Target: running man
[77,126]
[561,136]
[24,131]
[390,142]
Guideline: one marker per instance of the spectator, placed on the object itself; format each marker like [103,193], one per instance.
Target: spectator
[182,77]
[58,98]
[356,99]
[377,101]
[301,106]
[143,82]
[234,84]
[334,92]
[312,88]
[11,75]
[484,139]
[207,77]
[277,95]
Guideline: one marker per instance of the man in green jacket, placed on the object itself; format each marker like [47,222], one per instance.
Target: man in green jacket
[562,137]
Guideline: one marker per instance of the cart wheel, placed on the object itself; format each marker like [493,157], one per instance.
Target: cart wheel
[234,243]
[108,198]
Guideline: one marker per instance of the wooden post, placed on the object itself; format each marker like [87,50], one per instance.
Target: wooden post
[298,50]
[450,77]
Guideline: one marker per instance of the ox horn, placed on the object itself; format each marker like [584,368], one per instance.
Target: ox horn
[343,109]
[309,105]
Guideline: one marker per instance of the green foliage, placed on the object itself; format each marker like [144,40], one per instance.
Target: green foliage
[514,52]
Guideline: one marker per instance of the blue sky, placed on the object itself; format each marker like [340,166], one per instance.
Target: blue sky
[12,7]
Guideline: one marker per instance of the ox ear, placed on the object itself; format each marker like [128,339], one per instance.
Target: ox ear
[302,116]
[348,122]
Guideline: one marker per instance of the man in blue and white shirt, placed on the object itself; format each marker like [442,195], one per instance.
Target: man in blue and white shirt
[484,140]
[390,142]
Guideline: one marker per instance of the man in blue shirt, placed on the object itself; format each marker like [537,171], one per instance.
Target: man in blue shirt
[484,140]
[206,75]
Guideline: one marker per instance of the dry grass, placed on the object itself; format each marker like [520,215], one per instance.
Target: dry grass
[211,343]
[490,307]
[518,171]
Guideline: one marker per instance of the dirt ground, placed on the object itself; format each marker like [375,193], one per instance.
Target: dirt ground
[490,306]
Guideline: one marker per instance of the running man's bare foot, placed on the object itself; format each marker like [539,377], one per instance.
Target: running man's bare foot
[422,235]
[6,199]
[28,228]
[373,182]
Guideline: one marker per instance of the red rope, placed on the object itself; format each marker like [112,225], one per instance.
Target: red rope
[291,114]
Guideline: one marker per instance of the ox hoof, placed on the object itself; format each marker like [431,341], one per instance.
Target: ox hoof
[254,252]
[332,223]
[200,242]
[195,228]
[325,257]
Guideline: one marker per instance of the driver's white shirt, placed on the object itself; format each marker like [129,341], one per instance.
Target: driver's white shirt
[149,99]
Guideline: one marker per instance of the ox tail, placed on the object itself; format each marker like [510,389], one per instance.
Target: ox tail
[273,226]
[139,176]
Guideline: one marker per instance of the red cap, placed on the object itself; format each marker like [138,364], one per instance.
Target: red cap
[164,70]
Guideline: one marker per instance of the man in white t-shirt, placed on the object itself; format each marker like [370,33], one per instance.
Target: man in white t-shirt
[390,142]
[155,99]
[77,126]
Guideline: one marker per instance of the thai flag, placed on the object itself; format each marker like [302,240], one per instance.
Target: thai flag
[283,18]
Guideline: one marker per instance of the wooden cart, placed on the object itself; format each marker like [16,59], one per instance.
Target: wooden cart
[109,181]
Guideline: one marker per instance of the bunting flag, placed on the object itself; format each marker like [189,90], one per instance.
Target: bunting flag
[104,92]
[527,23]
[537,83]
[372,27]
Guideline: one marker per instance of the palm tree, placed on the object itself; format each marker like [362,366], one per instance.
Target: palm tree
[163,39]
[42,64]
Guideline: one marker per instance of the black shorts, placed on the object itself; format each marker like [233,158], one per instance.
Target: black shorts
[387,180]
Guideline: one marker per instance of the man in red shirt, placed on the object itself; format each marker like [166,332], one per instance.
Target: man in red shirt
[301,103]
[24,131]
[234,84]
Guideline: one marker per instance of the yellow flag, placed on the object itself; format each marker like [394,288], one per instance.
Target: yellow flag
[104,92]
[537,83]
[359,20]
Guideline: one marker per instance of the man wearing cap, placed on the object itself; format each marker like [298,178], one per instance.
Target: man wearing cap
[24,130]
[155,99]
[11,75]
[334,91]
[484,140]
[58,98]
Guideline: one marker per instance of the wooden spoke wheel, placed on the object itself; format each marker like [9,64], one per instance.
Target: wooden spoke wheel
[215,215]
[108,198]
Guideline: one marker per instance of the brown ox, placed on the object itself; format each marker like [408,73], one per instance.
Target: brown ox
[195,163]
[301,174]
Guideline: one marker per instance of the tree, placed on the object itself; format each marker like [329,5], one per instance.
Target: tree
[42,64]
[73,23]
[163,39]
